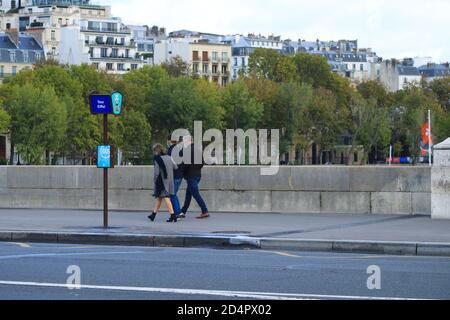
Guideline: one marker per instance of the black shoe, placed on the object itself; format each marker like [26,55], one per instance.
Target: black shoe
[152,217]
[182,216]
[173,218]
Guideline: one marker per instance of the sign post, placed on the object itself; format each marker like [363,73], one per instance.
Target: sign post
[105,105]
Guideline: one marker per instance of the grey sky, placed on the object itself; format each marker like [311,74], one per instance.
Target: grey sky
[393,28]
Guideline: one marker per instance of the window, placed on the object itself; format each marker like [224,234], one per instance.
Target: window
[205,56]
[12,56]
[361,67]
[67,22]
[25,57]
[243,62]
[134,66]
[96,66]
[14,70]
[53,35]
[195,67]
[60,21]
[2,71]
[54,51]
[235,62]
[103,52]
[141,47]
[38,56]
[120,67]
[215,56]
[127,53]
[215,68]
[109,66]
[115,53]
[205,68]
[195,56]
[225,57]
[354,66]
[110,40]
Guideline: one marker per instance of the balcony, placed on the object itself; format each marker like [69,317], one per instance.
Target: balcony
[131,45]
[120,58]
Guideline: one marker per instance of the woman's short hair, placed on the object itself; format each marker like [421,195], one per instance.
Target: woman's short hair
[159,149]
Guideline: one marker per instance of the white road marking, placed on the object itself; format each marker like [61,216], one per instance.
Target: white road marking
[22,245]
[46,255]
[231,294]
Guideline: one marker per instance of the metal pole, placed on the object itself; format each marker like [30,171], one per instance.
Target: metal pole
[430,139]
[105,174]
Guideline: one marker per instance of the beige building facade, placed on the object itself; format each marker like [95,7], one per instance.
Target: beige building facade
[207,60]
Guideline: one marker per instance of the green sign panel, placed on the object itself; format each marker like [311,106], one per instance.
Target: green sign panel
[117,102]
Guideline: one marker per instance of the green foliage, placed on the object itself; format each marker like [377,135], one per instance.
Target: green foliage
[176,67]
[5,121]
[47,109]
[314,70]
[263,63]
[242,111]
[38,121]
[136,136]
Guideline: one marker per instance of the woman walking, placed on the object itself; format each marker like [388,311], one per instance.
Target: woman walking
[163,179]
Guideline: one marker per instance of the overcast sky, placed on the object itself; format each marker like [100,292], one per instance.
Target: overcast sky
[393,28]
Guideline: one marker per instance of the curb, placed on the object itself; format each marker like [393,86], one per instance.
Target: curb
[238,242]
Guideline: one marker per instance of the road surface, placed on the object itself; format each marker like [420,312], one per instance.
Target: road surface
[40,271]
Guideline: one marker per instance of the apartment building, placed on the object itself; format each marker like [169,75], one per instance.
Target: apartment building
[343,56]
[433,71]
[396,74]
[104,43]
[145,38]
[206,59]
[244,46]
[18,51]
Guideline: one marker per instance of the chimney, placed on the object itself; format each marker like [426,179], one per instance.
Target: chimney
[13,35]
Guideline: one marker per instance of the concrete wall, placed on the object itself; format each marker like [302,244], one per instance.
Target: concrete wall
[359,190]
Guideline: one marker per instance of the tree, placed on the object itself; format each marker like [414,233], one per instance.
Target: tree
[90,79]
[38,121]
[242,111]
[375,90]
[263,63]
[136,136]
[441,88]
[209,108]
[313,69]
[291,105]
[176,67]
[139,85]
[5,121]
[172,106]
[323,118]
[412,105]
[286,70]
[265,92]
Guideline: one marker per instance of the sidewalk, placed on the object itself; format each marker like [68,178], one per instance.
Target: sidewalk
[412,235]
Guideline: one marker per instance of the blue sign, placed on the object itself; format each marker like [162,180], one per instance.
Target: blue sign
[117,101]
[100,104]
[104,157]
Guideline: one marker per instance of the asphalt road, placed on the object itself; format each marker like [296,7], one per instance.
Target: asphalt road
[39,271]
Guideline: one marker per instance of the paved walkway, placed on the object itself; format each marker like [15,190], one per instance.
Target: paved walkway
[292,226]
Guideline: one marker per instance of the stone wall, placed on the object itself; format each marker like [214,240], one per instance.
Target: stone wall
[325,189]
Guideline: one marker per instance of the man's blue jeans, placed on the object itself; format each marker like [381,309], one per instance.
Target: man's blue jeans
[193,191]
[174,199]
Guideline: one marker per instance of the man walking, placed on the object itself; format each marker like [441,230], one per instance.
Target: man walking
[178,178]
[193,176]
